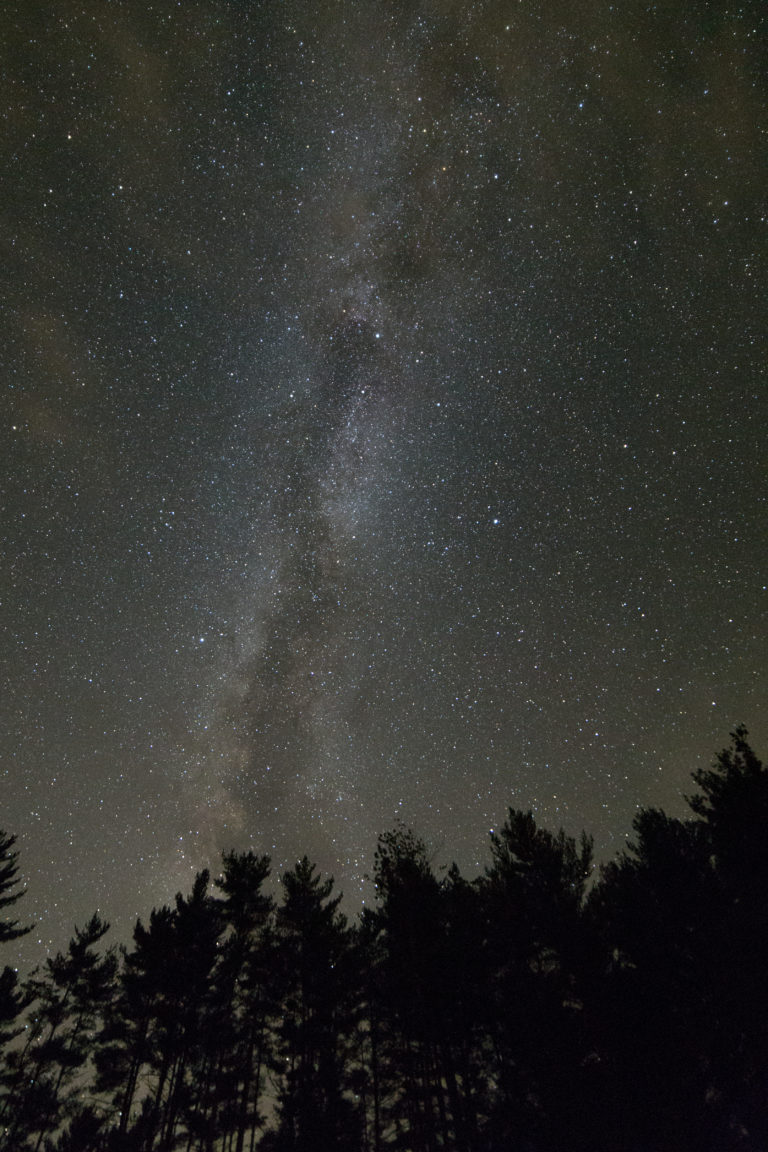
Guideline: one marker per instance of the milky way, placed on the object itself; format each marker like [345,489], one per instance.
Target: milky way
[383,429]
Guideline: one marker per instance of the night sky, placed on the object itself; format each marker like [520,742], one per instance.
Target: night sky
[384,428]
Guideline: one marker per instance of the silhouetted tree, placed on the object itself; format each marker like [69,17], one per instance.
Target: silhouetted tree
[198,926]
[732,811]
[366,1077]
[235,1030]
[84,1133]
[69,997]
[427,986]
[315,971]
[154,1039]
[654,906]
[129,1038]
[9,879]
[533,894]
[513,1011]
[682,1008]
[11,998]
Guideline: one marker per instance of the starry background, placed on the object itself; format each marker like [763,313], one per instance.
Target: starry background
[383,428]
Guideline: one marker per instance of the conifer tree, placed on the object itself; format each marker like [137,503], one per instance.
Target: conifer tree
[427,982]
[682,1007]
[653,909]
[129,1037]
[319,999]
[69,997]
[154,1038]
[9,879]
[198,926]
[533,895]
[732,806]
[235,1046]
[511,1011]
[11,998]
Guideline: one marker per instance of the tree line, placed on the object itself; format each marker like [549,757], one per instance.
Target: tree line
[539,1007]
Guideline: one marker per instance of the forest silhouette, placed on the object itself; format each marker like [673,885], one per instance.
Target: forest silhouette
[543,1006]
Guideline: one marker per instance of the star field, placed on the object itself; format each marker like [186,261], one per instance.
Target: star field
[383,428]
